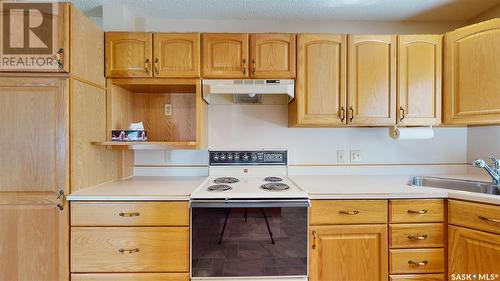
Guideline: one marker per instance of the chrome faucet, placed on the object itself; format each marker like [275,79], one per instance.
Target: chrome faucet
[494,171]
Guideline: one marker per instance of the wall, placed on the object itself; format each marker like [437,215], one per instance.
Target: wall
[492,13]
[483,142]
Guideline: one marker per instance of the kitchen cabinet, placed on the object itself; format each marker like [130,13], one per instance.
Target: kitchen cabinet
[471,74]
[372,80]
[348,252]
[176,54]
[419,80]
[129,54]
[225,55]
[130,277]
[320,90]
[272,55]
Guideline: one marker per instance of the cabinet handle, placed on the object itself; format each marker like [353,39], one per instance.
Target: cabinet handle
[156,67]
[135,214]
[342,115]
[253,66]
[350,213]
[418,263]
[352,113]
[417,236]
[489,219]
[130,251]
[244,66]
[314,239]
[61,197]
[420,212]
[146,66]
[59,56]
[402,113]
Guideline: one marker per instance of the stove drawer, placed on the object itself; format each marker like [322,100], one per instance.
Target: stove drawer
[416,261]
[130,213]
[129,249]
[324,212]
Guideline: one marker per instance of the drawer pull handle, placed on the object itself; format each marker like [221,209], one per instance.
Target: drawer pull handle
[130,251]
[314,239]
[489,219]
[351,213]
[146,66]
[135,214]
[420,212]
[417,237]
[418,263]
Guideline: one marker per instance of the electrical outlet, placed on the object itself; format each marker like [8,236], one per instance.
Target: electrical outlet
[340,156]
[168,109]
[355,155]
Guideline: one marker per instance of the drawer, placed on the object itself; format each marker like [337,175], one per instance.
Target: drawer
[130,213]
[421,210]
[418,277]
[130,277]
[422,235]
[129,249]
[475,215]
[416,261]
[324,212]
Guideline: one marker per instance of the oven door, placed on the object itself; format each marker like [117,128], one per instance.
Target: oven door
[249,238]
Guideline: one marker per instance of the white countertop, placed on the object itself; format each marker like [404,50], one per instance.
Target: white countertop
[140,189]
[318,187]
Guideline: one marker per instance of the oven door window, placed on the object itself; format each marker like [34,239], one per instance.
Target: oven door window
[229,242]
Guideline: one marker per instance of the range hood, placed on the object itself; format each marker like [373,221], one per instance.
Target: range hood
[242,91]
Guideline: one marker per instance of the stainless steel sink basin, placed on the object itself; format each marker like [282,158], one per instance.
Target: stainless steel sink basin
[455,184]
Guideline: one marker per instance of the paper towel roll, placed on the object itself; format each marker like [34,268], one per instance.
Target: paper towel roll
[420,133]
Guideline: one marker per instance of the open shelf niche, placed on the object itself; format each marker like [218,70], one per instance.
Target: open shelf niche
[144,100]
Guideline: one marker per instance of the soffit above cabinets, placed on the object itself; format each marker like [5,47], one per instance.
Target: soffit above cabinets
[312,10]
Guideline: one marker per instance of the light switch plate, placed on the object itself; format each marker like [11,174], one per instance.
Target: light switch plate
[168,109]
[340,156]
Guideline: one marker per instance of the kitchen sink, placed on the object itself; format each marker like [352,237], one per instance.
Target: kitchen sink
[455,184]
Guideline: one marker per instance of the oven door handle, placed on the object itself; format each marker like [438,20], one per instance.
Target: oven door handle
[249,203]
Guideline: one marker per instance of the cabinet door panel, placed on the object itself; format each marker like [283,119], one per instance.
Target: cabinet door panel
[225,55]
[272,55]
[419,69]
[472,251]
[349,252]
[320,94]
[372,80]
[129,54]
[177,54]
[33,232]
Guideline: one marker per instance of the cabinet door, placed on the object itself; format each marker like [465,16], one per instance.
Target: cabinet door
[45,46]
[372,80]
[272,55]
[320,94]
[348,252]
[472,72]
[34,232]
[472,251]
[419,84]
[177,54]
[129,54]
[225,55]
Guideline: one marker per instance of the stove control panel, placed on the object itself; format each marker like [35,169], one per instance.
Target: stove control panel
[247,157]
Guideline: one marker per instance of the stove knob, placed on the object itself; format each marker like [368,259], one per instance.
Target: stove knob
[216,157]
[254,157]
[236,156]
[229,156]
[223,156]
[245,157]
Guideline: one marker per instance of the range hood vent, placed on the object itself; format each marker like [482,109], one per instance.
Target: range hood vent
[248,91]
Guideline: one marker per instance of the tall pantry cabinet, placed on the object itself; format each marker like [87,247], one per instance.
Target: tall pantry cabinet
[50,119]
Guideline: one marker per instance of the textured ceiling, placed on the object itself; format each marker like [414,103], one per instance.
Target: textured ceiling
[315,10]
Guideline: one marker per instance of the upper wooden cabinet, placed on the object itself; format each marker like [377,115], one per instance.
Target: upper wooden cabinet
[176,54]
[320,95]
[372,80]
[129,54]
[472,71]
[272,55]
[419,79]
[225,55]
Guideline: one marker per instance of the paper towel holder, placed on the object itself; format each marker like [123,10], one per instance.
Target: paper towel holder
[396,131]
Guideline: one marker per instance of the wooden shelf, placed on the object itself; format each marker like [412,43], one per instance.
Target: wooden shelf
[149,144]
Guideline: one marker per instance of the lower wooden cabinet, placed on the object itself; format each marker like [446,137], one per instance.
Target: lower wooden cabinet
[473,252]
[416,261]
[418,277]
[130,277]
[348,252]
